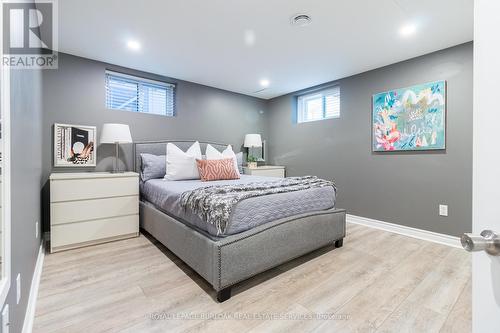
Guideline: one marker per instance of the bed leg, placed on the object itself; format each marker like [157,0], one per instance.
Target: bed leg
[224,294]
[339,243]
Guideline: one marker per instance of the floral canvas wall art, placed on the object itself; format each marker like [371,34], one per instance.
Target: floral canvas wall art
[412,118]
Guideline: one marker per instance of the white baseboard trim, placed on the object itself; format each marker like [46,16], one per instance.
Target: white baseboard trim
[405,231]
[29,318]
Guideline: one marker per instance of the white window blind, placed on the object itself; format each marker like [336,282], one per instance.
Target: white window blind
[319,105]
[130,93]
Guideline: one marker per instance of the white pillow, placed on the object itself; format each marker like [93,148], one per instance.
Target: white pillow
[214,154]
[182,165]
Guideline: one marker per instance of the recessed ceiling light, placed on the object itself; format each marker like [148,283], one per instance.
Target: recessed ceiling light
[408,30]
[264,83]
[249,37]
[301,20]
[134,45]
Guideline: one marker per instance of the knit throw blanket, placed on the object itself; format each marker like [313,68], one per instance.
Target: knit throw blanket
[214,204]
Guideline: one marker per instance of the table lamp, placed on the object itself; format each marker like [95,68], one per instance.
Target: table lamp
[251,141]
[116,133]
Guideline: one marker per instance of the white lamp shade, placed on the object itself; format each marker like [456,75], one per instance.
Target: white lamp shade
[115,133]
[252,140]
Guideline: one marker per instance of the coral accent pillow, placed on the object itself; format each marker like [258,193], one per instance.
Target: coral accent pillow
[217,169]
[214,154]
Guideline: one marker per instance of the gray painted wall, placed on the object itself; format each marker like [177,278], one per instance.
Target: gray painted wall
[404,188]
[26,171]
[75,94]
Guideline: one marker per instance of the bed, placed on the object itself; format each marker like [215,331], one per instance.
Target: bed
[260,234]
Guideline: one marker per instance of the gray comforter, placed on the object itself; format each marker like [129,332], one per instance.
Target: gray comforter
[165,195]
[214,204]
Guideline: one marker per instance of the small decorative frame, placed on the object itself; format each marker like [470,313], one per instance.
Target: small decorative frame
[75,145]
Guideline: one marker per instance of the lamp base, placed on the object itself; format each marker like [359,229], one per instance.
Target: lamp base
[116,164]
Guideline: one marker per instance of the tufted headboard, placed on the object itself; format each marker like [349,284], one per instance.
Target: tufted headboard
[160,148]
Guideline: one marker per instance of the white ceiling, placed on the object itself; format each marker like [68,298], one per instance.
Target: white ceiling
[206,41]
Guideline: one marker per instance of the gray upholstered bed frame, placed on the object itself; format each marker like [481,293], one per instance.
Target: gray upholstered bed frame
[226,261]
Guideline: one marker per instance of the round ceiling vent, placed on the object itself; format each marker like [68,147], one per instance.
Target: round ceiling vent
[301,20]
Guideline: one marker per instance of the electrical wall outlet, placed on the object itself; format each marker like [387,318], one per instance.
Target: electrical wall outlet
[5,319]
[18,288]
[443,210]
[37,229]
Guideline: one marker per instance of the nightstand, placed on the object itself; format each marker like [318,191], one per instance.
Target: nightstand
[266,170]
[89,208]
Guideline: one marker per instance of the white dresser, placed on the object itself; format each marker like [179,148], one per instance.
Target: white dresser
[266,170]
[92,207]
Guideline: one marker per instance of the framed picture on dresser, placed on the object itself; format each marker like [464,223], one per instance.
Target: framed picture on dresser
[75,145]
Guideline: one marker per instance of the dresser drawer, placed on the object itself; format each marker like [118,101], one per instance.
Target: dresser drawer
[74,211]
[74,234]
[280,173]
[91,188]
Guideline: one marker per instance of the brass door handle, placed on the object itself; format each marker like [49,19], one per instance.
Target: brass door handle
[488,241]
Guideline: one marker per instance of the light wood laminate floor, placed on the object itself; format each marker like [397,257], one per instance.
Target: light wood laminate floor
[377,282]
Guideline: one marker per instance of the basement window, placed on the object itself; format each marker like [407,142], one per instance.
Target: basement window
[136,94]
[319,105]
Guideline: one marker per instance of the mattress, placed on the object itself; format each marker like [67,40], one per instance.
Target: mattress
[247,214]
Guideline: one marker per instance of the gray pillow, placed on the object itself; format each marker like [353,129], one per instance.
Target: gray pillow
[239,160]
[153,166]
